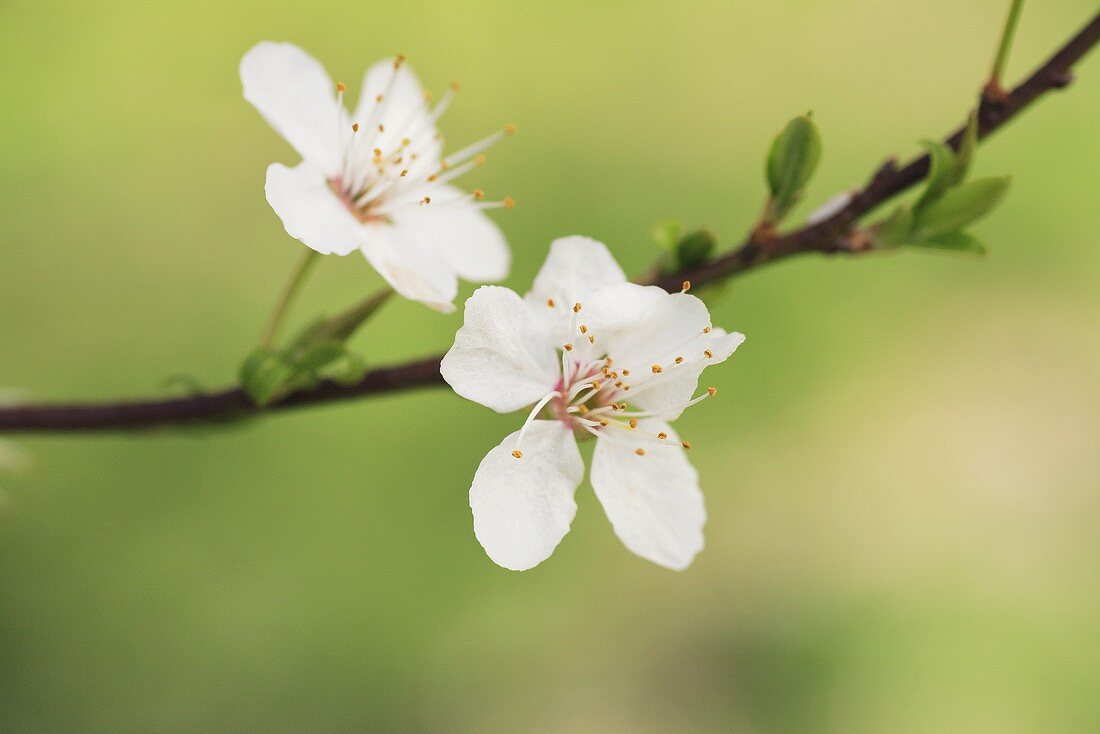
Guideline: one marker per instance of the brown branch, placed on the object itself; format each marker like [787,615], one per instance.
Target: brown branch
[823,237]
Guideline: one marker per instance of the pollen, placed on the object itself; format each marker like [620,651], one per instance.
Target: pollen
[657,369]
[662,435]
[567,347]
[679,360]
[509,202]
[576,308]
[341,87]
[709,354]
[686,286]
[509,129]
[685,444]
[640,451]
[518,454]
[712,391]
[550,302]
[479,194]
[633,422]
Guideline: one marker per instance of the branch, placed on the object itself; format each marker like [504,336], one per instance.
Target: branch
[826,237]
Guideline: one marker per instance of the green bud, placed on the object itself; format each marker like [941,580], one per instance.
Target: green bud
[695,248]
[666,234]
[960,206]
[792,159]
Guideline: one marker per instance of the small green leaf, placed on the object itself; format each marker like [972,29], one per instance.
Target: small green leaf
[695,248]
[794,155]
[941,172]
[895,229]
[960,206]
[265,374]
[352,370]
[967,147]
[666,234]
[954,241]
[320,355]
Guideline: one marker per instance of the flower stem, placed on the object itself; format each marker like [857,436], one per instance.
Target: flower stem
[275,320]
[999,62]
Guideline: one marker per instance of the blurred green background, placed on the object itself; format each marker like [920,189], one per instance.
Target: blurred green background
[902,470]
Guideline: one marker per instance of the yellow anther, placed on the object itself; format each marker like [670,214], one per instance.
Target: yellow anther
[567,347]
[379,97]
[712,391]
[479,160]
[479,194]
[679,360]
[427,96]
[657,369]
[341,87]
[685,444]
[640,452]
[633,422]
[398,60]
[381,128]
[709,354]
[509,129]
[603,422]
[405,142]
[591,339]
[662,435]
[626,387]
[596,384]
[706,329]
[433,177]
[576,308]
[622,406]
[626,372]
[404,172]
[550,302]
[618,383]
[518,454]
[582,409]
[509,202]
[355,127]
[584,330]
[377,152]
[426,200]
[456,85]
[686,286]
[609,360]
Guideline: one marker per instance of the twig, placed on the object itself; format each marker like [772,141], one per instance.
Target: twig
[826,237]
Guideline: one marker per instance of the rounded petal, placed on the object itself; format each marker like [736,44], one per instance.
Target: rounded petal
[462,234]
[653,501]
[502,356]
[523,507]
[296,96]
[310,211]
[576,268]
[402,113]
[413,270]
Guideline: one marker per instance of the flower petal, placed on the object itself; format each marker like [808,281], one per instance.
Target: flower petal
[402,113]
[523,507]
[653,501]
[296,96]
[412,269]
[502,357]
[310,211]
[575,269]
[462,234]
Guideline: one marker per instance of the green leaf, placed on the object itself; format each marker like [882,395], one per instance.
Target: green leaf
[352,371]
[695,249]
[960,206]
[967,147]
[265,374]
[320,355]
[954,241]
[794,155]
[941,172]
[667,234]
[895,229]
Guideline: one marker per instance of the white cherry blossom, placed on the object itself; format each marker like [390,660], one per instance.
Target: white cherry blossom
[588,355]
[375,180]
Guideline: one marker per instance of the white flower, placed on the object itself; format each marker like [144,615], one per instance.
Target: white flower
[375,180]
[598,356]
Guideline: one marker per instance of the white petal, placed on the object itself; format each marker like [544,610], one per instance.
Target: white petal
[523,507]
[667,394]
[296,96]
[403,113]
[575,269]
[653,501]
[502,356]
[310,211]
[462,234]
[412,269]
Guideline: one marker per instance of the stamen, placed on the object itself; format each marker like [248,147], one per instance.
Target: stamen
[709,354]
[679,360]
[686,286]
[633,422]
[550,302]
[686,445]
[518,454]
[639,451]
[662,435]
[576,308]
[657,369]
[534,412]
[706,329]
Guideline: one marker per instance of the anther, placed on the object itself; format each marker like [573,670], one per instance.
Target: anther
[456,85]
[633,422]
[405,142]
[404,172]
[518,454]
[377,152]
[433,178]
[479,194]
[662,435]
[509,202]
[550,302]
[679,360]
[618,383]
[379,97]
[686,286]
[480,160]
[657,369]
[712,391]
[355,127]
[584,330]
[706,329]
[626,372]
[381,128]
[603,422]
[709,354]
[576,308]
[591,339]
[582,409]
[426,200]
[640,452]
[685,444]
[398,60]
[509,129]
[567,347]
[341,88]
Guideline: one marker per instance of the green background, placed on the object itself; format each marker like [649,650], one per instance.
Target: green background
[901,469]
